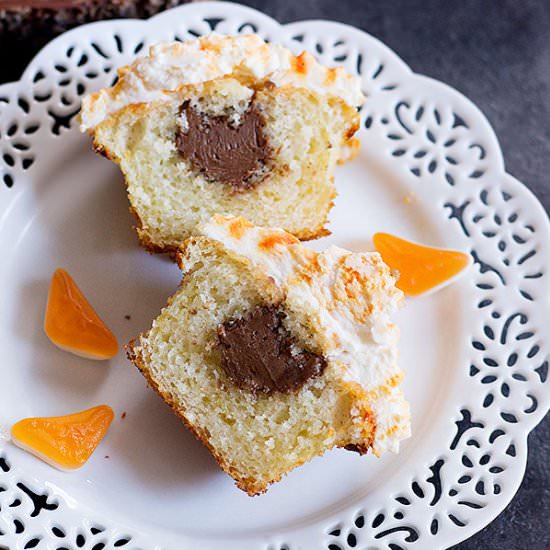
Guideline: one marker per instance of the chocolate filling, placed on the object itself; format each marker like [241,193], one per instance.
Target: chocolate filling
[232,154]
[260,355]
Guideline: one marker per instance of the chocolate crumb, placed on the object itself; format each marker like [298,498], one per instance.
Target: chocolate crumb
[361,449]
[127,317]
[123,415]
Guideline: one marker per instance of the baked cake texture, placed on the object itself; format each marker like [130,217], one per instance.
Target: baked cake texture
[272,354]
[229,125]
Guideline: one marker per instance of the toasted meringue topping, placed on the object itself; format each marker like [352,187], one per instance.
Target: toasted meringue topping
[172,65]
[354,295]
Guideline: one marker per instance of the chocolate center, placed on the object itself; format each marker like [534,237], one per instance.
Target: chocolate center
[231,154]
[260,355]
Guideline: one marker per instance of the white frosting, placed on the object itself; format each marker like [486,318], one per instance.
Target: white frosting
[174,64]
[363,346]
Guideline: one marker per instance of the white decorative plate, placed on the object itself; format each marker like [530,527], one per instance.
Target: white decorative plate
[476,353]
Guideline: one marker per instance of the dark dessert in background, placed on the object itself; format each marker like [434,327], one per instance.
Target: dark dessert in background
[26,26]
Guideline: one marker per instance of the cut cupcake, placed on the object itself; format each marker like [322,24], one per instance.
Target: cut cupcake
[230,125]
[272,354]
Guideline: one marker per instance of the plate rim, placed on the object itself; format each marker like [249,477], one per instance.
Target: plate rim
[525,193]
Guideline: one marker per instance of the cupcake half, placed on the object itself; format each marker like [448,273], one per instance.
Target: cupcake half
[273,354]
[229,125]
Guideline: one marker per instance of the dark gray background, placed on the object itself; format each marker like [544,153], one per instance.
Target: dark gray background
[497,52]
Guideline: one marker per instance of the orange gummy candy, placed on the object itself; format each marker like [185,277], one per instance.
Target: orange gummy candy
[65,442]
[72,324]
[421,268]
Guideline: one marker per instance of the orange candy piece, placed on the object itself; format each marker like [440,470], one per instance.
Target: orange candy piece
[421,268]
[66,442]
[72,324]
